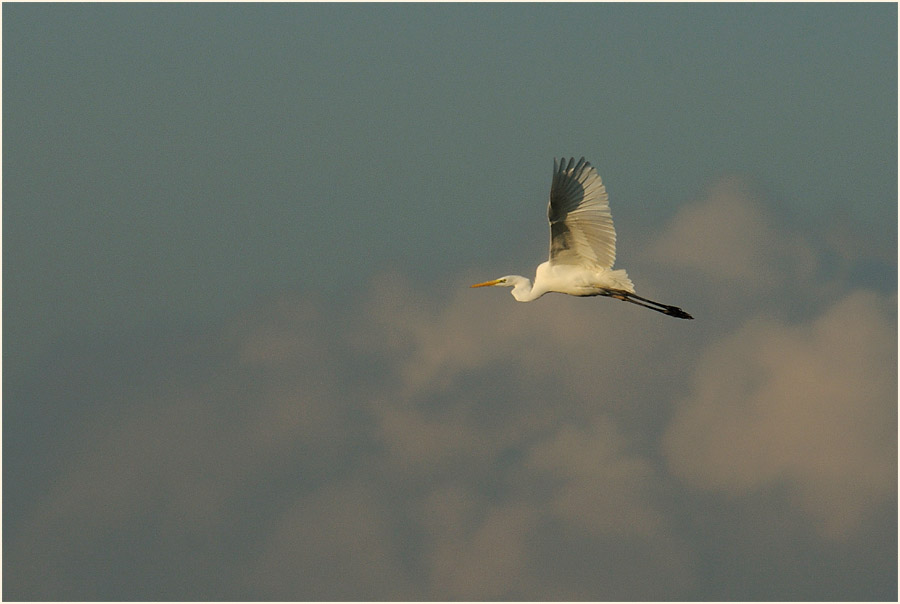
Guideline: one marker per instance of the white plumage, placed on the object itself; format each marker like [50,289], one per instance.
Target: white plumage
[582,244]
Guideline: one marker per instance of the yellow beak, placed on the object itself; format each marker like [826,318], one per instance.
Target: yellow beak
[494,282]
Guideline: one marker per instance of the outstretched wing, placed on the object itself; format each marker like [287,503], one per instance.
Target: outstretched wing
[581,227]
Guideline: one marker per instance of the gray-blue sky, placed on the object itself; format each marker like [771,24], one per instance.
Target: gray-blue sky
[205,210]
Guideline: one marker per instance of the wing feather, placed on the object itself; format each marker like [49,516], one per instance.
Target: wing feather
[581,226]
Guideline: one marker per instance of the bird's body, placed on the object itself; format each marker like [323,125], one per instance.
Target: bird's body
[582,245]
[568,279]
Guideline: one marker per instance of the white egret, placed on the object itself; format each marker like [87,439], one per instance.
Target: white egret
[582,245]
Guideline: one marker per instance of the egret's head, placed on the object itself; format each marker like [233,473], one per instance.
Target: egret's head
[521,287]
[500,281]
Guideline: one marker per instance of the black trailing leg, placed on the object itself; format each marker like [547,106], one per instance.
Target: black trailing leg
[621,294]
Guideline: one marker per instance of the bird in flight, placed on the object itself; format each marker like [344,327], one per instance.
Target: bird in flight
[582,245]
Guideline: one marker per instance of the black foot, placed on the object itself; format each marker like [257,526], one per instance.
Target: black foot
[674,311]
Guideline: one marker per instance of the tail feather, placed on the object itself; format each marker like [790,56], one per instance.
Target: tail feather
[620,279]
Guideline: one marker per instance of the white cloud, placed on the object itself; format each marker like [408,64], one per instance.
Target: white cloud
[478,392]
[462,443]
[810,405]
[477,550]
[335,543]
[555,375]
[728,236]
[603,488]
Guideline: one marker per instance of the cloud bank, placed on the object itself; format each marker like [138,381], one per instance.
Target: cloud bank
[459,445]
[805,405]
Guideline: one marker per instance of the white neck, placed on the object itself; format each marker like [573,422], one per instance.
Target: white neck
[522,289]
